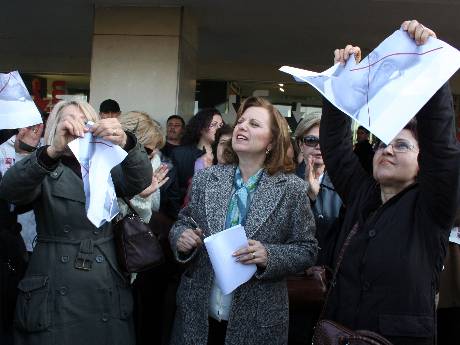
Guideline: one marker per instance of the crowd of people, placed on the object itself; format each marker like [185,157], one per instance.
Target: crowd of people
[376,217]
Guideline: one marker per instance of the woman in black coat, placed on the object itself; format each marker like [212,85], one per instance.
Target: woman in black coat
[196,142]
[389,275]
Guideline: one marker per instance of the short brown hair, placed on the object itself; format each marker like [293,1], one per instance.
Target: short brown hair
[277,159]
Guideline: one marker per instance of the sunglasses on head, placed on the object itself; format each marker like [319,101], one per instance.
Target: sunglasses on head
[310,140]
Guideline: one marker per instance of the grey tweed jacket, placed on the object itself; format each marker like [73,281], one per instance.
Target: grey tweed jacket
[280,217]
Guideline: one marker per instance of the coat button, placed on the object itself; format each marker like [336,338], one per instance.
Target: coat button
[54,174]
[96,232]
[104,317]
[63,290]
[67,229]
[372,233]
[64,259]
[99,258]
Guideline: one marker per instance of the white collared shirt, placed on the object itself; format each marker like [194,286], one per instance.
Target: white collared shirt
[219,304]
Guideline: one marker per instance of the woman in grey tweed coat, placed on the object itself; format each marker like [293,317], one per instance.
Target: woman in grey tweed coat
[277,219]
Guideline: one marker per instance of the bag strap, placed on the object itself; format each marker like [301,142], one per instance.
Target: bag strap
[127,202]
[351,234]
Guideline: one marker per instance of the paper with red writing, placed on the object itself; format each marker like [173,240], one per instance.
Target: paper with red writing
[389,86]
[97,157]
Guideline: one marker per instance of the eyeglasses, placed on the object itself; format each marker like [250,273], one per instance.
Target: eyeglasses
[310,140]
[400,146]
[216,125]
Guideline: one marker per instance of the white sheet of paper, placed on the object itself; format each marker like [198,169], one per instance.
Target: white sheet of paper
[97,157]
[17,109]
[229,273]
[389,86]
[455,235]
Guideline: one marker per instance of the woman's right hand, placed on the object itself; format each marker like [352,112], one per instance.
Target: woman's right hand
[189,240]
[70,126]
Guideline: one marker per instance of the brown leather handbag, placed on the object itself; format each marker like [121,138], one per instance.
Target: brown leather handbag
[328,332]
[138,249]
[332,333]
[308,288]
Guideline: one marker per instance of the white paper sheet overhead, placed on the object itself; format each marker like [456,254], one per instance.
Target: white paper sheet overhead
[17,109]
[97,157]
[389,86]
[229,273]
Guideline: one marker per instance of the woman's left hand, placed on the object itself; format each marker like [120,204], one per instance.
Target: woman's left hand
[312,176]
[110,129]
[417,31]
[28,135]
[254,253]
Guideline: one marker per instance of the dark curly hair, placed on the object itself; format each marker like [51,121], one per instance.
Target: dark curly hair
[196,124]
[224,130]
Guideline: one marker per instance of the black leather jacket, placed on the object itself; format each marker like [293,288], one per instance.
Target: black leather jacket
[326,209]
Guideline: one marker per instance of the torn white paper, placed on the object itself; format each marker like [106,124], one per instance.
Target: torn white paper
[455,235]
[389,86]
[229,273]
[17,109]
[97,157]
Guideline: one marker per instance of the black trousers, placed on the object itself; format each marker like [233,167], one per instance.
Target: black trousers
[448,319]
[217,332]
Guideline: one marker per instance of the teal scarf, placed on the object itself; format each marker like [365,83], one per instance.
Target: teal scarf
[241,198]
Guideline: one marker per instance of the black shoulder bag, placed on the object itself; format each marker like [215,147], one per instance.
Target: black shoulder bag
[138,249]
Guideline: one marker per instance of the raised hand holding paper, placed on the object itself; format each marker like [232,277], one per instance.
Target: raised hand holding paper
[389,86]
[17,109]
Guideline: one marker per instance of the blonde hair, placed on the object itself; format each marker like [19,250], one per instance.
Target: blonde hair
[58,110]
[307,123]
[146,130]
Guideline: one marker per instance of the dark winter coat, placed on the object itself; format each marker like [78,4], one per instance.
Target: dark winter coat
[390,272]
[59,304]
[326,209]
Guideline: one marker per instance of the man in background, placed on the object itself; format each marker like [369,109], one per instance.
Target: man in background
[363,149]
[174,128]
[109,108]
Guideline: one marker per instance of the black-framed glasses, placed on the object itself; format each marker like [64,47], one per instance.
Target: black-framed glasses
[400,146]
[310,140]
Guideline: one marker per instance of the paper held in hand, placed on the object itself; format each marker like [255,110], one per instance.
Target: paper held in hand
[97,157]
[389,86]
[229,273]
[17,109]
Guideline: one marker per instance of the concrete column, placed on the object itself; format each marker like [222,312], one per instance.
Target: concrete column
[145,58]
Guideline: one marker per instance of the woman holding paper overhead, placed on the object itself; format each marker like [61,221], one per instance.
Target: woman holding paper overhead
[73,291]
[396,223]
[258,191]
